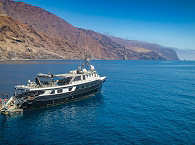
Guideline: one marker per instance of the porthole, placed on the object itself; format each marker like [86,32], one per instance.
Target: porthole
[52,92]
[70,88]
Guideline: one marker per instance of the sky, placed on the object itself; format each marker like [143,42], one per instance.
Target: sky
[166,22]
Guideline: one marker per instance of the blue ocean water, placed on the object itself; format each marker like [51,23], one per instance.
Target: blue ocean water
[141,103]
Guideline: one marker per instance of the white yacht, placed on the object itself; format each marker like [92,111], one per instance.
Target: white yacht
[53,89]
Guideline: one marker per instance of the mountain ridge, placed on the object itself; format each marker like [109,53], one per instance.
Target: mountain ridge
[57,39]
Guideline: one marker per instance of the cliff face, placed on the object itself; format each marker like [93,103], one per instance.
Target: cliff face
[153,51]
[30,32]
[20,41]
[185,54]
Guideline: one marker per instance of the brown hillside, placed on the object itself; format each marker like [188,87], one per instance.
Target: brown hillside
[55,38]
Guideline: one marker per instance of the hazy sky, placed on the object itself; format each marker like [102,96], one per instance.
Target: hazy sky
[166,22]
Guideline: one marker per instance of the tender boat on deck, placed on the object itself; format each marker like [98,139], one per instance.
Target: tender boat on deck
[53,89]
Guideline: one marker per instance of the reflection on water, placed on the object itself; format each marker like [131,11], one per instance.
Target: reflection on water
[72,107]
[68,113]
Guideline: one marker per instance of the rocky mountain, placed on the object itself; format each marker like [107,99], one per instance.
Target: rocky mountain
[147,49]
[185,54]
[20,41]
[29,32]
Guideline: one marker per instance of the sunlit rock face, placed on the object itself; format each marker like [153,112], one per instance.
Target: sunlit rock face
[29,32]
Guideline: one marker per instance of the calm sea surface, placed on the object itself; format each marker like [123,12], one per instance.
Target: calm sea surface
[141,103]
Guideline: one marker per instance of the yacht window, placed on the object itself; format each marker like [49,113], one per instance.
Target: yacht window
[52,92]
[59,91]
[64,81]
[39,92]
[77,78]
[70,88]
[83,77]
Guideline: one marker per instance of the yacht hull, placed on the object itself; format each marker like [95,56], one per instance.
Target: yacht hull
[53,100]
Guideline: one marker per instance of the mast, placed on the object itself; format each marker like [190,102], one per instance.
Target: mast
[85,59]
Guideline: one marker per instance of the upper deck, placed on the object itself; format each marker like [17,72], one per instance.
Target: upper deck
[50,81]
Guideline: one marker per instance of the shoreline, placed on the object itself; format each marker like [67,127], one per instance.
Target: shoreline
[33,61]
[66,61]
